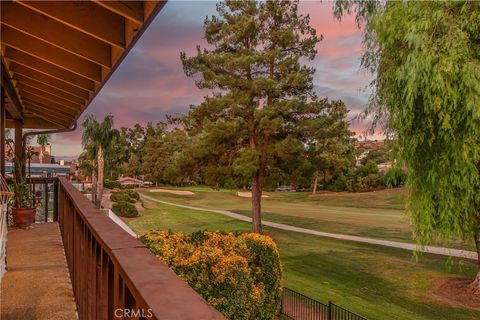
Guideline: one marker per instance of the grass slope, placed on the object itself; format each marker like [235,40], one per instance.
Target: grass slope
[374,214]
[377,282]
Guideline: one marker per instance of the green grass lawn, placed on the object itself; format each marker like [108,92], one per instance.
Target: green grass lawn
[374,214]
[377,282]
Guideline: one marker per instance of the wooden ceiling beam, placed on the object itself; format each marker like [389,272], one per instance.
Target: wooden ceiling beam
[53,107]
[36,122]
[33,97]
[50,112]
[150,6]
[54,124]
[60,54]
[26,88]
[51,81]
[55,33]
[20,79]
[86,17]
[23,48]
[58,73]
[131,10]
[50,115]
[15,109]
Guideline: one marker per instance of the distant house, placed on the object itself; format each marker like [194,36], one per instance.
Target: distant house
[131,182]
[41,154]
[380,148]
[370,144]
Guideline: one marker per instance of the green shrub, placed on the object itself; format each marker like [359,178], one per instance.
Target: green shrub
[131,196]
[365,178]
[111,184]
[124,209]
[238,274]
[339,183]
[119,196]
[369,167]
[394,177]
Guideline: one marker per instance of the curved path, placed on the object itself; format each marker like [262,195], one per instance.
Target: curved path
[394,244]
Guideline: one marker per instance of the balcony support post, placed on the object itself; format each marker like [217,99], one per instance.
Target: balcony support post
[19,148]
[2,132]
[55,200]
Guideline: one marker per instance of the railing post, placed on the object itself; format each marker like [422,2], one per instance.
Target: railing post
[45,198]
[55,199]
[330,315]
[281,301]
[34,200]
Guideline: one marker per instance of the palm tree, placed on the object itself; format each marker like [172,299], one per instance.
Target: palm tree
[42,140]
[96,140]
[87,166]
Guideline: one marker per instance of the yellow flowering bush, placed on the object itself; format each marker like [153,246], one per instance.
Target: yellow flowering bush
[238,274]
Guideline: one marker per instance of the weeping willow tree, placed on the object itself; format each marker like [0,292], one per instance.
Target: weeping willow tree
[425,57]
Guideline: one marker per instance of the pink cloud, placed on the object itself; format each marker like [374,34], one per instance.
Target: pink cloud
[322,19]
[151,83]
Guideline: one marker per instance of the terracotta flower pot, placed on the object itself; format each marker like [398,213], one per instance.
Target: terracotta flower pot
[23,217]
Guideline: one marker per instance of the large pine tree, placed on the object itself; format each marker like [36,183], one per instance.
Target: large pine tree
[262,91]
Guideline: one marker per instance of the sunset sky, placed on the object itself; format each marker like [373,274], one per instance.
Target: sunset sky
[150,82]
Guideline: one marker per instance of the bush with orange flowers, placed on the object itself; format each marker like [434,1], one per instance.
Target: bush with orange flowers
[238,274]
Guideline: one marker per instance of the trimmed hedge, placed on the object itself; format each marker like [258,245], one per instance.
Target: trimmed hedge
[132,194]
[238,274]
[120,196]
[125,195]
[125,209]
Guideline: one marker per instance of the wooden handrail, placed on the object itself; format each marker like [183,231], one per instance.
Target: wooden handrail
[114,276]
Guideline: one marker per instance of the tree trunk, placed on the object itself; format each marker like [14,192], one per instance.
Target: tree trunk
[315,183]
[100,163]
[475,285]
[94,187]
[256,203]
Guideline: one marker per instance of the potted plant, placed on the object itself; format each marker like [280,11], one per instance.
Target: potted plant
[23,208]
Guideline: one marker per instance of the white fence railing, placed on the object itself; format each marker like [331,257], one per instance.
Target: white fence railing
[120,223]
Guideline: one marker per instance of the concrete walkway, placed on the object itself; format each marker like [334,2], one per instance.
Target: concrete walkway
[37,284]
[393,244]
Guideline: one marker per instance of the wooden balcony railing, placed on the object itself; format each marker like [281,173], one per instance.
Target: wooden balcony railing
[113,275]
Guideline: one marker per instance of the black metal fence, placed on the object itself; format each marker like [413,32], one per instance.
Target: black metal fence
[45,192]
[300,307]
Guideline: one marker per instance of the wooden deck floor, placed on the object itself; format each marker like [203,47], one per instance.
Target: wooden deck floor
[37,283]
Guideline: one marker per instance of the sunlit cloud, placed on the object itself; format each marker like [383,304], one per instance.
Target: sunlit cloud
[150,83]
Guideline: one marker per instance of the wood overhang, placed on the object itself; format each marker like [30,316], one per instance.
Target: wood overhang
[57,55]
